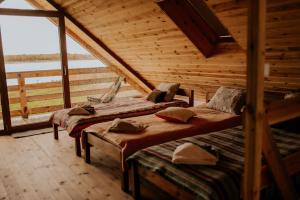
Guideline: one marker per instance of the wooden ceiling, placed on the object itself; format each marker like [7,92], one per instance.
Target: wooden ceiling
[142,35]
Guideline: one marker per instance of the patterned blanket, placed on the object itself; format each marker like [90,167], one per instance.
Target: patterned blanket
[105,112]
[209,182]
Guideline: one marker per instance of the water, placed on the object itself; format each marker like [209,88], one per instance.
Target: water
[39,66]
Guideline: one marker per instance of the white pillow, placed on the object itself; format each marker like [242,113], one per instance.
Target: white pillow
[228,100]
[189,153]
[176,114]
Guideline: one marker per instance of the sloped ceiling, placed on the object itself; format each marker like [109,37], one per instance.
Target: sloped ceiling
[141,34]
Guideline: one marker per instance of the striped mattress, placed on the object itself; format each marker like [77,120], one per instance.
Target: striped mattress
[209,182]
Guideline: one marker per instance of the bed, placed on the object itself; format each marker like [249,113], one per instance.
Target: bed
[118,109]
[222,181]
[158,131]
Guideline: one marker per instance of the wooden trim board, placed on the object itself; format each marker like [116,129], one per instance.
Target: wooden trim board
[4,91]
[64,62]
[28,13]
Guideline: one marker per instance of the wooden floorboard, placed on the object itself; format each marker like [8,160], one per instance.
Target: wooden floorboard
[39,167]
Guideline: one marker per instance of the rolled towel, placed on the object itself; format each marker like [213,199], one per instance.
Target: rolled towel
[189,153]
[125,126]
[83,110]
[89,108]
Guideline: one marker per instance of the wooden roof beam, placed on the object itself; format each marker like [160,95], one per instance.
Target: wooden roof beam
[30,13]
[255,112]
[191,23]
[146,86]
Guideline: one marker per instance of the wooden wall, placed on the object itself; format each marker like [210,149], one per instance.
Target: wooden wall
[282,37]
[141,34]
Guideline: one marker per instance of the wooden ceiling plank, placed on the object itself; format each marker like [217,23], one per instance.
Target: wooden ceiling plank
[123,68]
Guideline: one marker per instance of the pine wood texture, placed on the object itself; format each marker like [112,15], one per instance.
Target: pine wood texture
[282,37]
[150,42]
[255,111]
[39,167]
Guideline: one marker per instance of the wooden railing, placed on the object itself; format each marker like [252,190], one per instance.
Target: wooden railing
[34,98]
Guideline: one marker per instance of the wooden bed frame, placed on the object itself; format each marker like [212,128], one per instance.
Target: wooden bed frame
[115,151]
[138,175]
[277,169]
[180,92]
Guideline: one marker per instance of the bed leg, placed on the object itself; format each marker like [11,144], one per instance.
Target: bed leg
[124,181]
[125,174]
[136,182]
[87,155]
[191,98]
[87,148]
[77,146]
[55,131]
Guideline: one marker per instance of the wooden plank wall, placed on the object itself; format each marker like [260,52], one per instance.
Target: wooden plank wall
[140,33]
[282,37]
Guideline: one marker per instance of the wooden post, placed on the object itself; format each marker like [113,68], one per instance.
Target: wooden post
[4,91]
[276,164]
[23,97]
[64,62]
[254,122]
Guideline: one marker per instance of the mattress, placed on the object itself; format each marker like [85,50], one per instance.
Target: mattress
[160,131]
[109,111]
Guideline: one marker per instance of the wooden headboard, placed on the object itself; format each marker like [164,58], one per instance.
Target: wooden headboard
[187,93]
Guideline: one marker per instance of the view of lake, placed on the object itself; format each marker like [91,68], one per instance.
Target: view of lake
[39,66]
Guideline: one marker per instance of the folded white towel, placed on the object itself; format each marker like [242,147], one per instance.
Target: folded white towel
[192,154]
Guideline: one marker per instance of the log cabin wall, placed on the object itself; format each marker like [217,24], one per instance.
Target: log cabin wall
[149,41]
[282,37]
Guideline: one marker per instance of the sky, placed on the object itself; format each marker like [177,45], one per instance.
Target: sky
[31,35]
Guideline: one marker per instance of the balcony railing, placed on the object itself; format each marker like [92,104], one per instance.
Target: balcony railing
[27,98]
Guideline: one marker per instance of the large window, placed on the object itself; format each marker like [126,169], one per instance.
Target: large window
[33,67]
[34,52]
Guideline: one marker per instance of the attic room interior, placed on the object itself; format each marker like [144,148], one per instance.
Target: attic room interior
[149,99]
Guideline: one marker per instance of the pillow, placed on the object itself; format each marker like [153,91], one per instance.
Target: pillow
[228,100]
[176,114]
[170,88]
[189,153]
[291,95]
[122,126]
[156,96]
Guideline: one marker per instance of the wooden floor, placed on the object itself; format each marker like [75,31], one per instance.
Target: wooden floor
[39,167]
